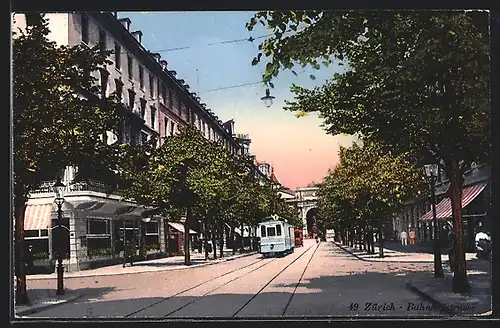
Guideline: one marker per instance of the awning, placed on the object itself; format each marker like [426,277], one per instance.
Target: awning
[443,209]
[37,217]
[180,227]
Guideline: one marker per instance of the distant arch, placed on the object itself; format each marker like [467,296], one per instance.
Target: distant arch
[311,216]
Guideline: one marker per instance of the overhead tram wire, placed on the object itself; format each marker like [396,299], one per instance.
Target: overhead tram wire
[250,39]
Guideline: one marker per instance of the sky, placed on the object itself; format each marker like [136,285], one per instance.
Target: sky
[298,148]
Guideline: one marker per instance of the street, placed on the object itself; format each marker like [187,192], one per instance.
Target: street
[315,280]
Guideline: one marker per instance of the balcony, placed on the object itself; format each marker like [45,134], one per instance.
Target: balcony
[82,186]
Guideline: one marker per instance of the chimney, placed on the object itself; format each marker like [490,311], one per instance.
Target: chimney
[156,56]
[163,64]
[125,22]
[137,35]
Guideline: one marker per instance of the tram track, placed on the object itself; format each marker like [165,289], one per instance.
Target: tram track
[278,274]
[300,279]
[194,287]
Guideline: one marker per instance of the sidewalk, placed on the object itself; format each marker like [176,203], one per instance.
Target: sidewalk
[163,264]
[42,299]
[438,291]
[409,254]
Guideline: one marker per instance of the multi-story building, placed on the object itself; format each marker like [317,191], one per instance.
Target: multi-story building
[155,103]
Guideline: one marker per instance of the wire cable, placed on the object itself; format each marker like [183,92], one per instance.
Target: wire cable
[250,39]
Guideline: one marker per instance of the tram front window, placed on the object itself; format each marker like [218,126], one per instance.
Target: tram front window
[262,231]
[278,230]
[271,231]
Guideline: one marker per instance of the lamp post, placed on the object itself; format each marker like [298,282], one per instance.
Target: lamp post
[267,99]
[431,172]
[59,200]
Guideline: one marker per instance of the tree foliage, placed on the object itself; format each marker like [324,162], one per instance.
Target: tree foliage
[367,188]
[190,173]
[60,116]
[418,81]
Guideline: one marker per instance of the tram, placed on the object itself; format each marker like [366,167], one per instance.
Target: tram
[276,237]
[299,240]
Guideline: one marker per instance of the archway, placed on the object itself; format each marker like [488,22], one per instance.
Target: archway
[311,217]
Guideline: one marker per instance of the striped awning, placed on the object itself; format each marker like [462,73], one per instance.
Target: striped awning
[443,209]
[37,217]
[180,227]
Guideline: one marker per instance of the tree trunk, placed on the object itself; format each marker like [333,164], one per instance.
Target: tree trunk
[380,242]
[142,240]
[221,238]
[371,241]
[187,253]
[460,283]
[166,227]
[205,240]
[213,234]
[19,210]
[242,248]
[233,244]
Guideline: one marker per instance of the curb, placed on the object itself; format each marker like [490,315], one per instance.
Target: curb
[430,299]
[43,307]
[373,260]
[146,271]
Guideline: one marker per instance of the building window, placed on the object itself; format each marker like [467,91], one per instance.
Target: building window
[165,126]
[85,29]
[104,82]
[170,99]
[151,86]
[152,234]
[119,89]
[141,77]
[172,128]
[164,93]
[144,137]
[98,237]
[131,99]
[143,108]
[118,51]
[153,116]
[39,240]
[130,63]
[102,41]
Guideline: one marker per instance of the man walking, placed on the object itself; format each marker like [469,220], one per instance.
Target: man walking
[404,238]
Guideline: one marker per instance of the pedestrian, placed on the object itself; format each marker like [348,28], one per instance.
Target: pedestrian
[412,237]
[29,259]
[404,238]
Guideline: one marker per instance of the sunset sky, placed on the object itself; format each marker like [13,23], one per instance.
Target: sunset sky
[298,148]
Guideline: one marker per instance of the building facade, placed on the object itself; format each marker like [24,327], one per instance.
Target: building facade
[155,103]
[476,193]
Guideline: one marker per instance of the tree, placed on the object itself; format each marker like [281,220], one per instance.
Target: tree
[60,117]
[187,174]
[371,185]
[437,112]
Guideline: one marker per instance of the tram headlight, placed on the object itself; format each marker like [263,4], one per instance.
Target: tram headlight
[272,246]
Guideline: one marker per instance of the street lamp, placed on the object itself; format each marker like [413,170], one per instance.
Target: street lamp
[59,200]
[268,99]
[431,172]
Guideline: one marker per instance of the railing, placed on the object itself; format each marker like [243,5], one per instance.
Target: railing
[87,185]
